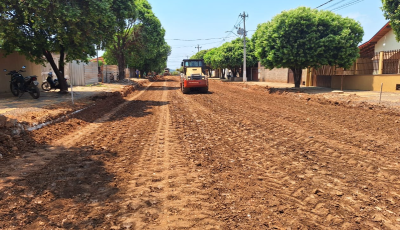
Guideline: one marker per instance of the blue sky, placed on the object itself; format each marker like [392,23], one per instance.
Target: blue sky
[209,19]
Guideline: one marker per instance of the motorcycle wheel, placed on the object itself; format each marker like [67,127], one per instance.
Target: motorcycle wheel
[34,91]
[14,90]
[46,86]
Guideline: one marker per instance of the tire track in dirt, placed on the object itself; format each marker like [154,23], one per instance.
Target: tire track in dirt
[161,194]
[30,162]
[318,187]
[339,122]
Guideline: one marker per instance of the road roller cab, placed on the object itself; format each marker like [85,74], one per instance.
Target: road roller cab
[193,76]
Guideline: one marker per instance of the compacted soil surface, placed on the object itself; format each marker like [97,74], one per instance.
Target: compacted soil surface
[234,158]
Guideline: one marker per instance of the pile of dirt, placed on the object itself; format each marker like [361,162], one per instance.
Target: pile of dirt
[14,139]
[345,100]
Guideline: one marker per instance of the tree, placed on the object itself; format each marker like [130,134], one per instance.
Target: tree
[213,60]
[391,11]
[199,55]
[158,61]
[230,55]
[139,42]
[305,37]
[70,28]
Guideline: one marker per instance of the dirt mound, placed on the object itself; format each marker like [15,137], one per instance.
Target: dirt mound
[14,139]
[348,100]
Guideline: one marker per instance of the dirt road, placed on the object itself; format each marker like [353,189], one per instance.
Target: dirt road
[236,158]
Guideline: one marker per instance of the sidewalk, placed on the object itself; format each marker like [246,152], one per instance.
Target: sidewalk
[388,98]
[9,103]
[51,105]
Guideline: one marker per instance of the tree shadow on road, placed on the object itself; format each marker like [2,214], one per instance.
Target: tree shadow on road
[61,194]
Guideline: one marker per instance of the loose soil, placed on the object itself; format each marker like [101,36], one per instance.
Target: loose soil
[236,158]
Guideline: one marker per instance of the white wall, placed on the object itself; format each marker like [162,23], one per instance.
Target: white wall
[390,43]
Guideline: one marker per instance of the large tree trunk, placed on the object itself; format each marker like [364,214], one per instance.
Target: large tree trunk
[234,72]
[63,82]
[297,76]
[121,67]
[59,72]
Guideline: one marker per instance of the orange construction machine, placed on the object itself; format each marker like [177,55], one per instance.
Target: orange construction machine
[193,76]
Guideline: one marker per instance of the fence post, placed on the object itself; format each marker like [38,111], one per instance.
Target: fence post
[380,68]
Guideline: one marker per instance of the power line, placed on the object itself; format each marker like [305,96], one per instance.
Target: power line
[334,4]
[347,5]
[235,25]
[177,47]
[324,4]
[201,39]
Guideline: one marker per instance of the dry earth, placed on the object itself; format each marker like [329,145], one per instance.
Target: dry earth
[235,158]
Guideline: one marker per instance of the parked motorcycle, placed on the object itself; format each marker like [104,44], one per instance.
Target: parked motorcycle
[20,84]
[50,84]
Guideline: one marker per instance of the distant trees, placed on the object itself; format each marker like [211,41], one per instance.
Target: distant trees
[139,42]
[199,55]
[230,55]
[391,11]
[71,28]
[304,37]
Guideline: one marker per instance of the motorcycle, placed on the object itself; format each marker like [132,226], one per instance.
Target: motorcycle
[20,84]
[50,84]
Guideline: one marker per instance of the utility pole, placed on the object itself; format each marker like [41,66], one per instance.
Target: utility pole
[198,48]
[244,45]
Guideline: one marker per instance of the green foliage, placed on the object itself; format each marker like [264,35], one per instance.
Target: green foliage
[199,55]
[230,55]
[304,37]
[72,25]
[71,28]
[391,11]
[210,59]
[140,42]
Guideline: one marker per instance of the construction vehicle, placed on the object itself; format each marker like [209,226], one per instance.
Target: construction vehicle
[193,76]
[166,72]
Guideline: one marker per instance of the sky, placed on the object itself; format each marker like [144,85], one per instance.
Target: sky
[207,22]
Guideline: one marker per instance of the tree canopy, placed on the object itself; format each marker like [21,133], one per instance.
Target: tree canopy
[199,55]
[306,37]
[230,55]
[391,11]
[71,28]
[140,42]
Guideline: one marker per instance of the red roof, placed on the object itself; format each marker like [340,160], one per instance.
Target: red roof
[369,46]
[95,59]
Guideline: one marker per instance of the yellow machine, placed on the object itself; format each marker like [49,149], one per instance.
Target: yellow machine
[194,77]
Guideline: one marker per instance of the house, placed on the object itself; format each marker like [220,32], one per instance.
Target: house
[378,65]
